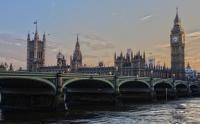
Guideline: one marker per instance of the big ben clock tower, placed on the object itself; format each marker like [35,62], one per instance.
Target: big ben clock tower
[177,43]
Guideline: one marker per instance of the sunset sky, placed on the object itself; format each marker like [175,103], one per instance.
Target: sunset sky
[104,26]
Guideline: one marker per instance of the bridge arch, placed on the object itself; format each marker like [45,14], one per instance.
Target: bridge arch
[12,81]
[163,89]
[102,81]
[194,88]
[181,89]
[181,84]
[84,91]
[27,92]
[144,83]
[169,84]
[134,90]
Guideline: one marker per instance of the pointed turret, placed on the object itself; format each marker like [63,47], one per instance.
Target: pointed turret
[28,37]
[36,37]
[121,54]
[44,47]
[77,42]
[144,56]
[11,67]
[71,60]
[164,66]
[44,37]
[115,56]
[188,65]
[177,20]
[131,55]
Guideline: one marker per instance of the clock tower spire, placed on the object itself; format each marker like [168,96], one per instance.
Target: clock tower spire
[177,43]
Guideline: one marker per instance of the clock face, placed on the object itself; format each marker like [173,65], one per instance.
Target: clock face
[174,39]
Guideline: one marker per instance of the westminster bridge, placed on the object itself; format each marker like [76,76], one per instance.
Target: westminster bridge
[26,90]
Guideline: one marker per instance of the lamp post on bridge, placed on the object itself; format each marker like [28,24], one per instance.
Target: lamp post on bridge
[117,102]
[174,86]
[151,86]
[115,79]
[137,76]
[59,102]
[188,85]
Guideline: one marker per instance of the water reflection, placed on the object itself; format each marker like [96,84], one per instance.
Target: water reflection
[143,114]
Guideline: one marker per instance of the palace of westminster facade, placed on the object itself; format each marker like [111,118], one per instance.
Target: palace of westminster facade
[128,64]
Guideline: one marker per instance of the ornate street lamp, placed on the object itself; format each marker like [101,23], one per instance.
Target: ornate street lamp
[151,77]
[115,79]
[188,83]
[137,76]
[173,83]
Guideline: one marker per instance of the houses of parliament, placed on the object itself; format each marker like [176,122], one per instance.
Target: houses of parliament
[124,64]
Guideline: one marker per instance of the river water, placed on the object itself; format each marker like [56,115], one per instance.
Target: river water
[171,112]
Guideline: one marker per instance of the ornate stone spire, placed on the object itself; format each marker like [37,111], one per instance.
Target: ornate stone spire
[77,43]
[177,20]
[144,56]
[177,28]
[36,31]
[44,37]
[121,54]
[115,56]
[28,37]
[188,65]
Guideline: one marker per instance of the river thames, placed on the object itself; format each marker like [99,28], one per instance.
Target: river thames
[171,112]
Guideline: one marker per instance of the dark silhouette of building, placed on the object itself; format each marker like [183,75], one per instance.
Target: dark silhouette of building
[177,42]
[3,66]
[129,64]
[35,51]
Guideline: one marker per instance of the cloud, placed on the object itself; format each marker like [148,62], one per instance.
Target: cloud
[53,3]
[193,36]
[13,49]
[90,56]
[115,14]
[11,40]
[16,62]
[146,17]
[163,45]
[94,42]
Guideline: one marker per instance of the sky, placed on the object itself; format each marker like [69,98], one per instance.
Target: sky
[104,27]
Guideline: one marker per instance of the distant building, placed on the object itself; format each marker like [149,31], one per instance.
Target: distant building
[61,61]
[60,67]
[151,61]
[177,43]
[76,59]
[129,64]
[3,66]
[35,51]
[190,74]
[136,65]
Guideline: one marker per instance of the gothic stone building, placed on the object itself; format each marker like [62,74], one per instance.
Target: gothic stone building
[136,65]
[35,51]
[61,66]
[76,59]
[177,42]
[129,64]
